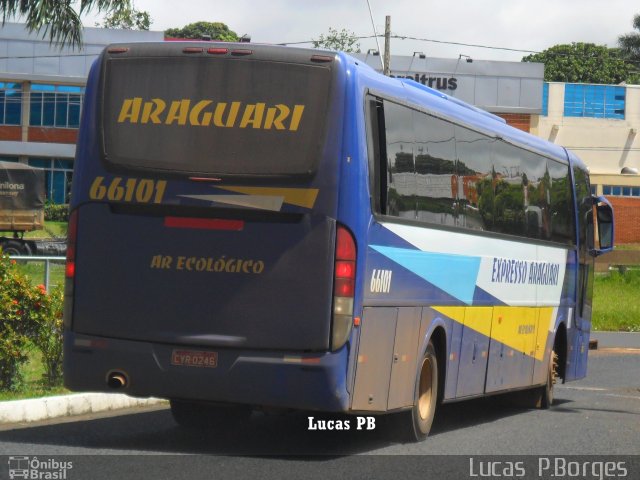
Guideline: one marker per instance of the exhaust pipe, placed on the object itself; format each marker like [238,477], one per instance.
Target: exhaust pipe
[117,380]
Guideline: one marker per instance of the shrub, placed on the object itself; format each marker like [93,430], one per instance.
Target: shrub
[28,316]
[46,315]
[56,213]
[15,324]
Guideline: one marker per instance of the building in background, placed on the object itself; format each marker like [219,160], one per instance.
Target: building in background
[41,96]
[511,90]
[601,124]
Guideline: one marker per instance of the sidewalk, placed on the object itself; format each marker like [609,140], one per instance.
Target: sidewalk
[37,409]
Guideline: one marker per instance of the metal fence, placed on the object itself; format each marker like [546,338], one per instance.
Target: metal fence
[48,269]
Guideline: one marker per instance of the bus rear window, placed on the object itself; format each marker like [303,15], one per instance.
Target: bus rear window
[213,116]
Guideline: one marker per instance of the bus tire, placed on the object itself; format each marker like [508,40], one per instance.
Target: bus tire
[202,415]
[546,392]
[14,248]
[420,417]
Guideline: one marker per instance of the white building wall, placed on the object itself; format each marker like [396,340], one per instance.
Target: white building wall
[605,145]
[29,56]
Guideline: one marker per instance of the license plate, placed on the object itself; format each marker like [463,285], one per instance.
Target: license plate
[194,358]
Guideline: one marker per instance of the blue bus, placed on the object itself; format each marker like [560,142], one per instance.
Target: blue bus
[258,227]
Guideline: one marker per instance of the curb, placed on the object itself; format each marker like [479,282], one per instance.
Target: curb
[37,409]
[616,339]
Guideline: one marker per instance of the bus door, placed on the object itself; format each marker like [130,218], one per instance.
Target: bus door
[474,352]
[579,338]
[513,347]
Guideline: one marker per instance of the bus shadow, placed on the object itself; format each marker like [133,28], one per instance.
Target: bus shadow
[285,435]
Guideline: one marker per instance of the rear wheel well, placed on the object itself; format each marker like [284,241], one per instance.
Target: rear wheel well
[560,348]
[439,339]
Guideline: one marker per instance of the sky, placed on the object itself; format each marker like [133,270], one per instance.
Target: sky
[517,24]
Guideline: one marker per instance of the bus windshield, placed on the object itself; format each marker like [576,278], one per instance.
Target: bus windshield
[213,116]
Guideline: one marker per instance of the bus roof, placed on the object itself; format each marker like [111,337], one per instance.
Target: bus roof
[435,102]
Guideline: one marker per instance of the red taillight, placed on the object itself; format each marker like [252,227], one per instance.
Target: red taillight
[345,269]
[204,223]
[345,246]
[344,281]
[321,58]
[70,268]
[344,287]
[217,51]
[72,234]
[192,50]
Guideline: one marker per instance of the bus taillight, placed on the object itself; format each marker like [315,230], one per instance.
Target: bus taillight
[70,268]
[343,287]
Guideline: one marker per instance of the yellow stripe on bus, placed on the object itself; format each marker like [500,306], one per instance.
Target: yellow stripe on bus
[524,329]
[300,197]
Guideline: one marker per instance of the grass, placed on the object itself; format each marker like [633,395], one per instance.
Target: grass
[33,385]
[34,270]
[628,246]
[616,306]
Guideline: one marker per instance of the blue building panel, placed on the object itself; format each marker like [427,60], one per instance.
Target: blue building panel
[594,101]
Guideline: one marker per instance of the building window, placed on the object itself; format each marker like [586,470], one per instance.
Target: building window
[595,101]
[55,105]
[620,191]
[58,175]
[10,103]
[545,99]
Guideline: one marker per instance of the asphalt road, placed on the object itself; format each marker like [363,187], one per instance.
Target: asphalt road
[597,416]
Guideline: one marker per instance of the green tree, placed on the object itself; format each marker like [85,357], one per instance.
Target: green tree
[127,18]
[57,19]
[198,30]
[582,63]
[629,44]
[342,40]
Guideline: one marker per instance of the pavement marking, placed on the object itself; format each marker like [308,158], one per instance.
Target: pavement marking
[595,389]
[599,390]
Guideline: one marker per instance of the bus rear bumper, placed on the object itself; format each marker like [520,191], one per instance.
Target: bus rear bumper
[260,378]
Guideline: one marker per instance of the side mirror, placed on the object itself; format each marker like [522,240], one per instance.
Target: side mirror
[605,226]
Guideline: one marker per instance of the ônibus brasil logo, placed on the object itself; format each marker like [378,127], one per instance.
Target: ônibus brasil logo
[37,469]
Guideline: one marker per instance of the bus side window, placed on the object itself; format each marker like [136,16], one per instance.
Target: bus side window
[377,150]
[401,171]
[436,172]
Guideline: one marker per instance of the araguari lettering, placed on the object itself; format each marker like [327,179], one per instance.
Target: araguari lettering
[206,113]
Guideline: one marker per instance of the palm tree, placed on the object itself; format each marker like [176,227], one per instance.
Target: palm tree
[630,43]
[58,19]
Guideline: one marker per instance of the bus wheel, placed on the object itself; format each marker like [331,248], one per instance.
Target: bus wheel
[202,415]
[546,397]
[426,396]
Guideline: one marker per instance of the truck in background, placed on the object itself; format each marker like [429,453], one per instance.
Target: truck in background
[22,199]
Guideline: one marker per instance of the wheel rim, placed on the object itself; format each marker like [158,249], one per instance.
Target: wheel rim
[424,396]
[553,375]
